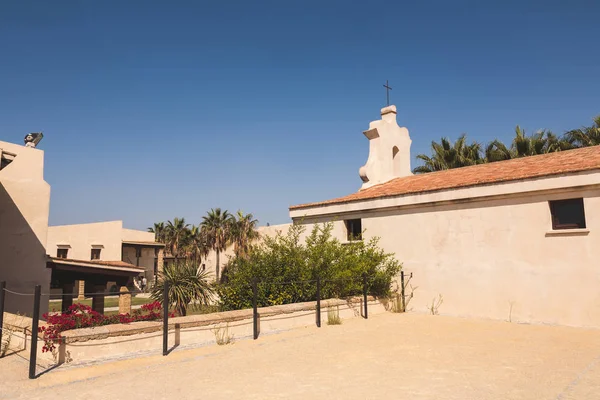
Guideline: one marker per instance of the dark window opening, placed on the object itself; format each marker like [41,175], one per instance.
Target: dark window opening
[4,162]
[353,229]
[62,253]
[138,252]
[567,214]
[95,254]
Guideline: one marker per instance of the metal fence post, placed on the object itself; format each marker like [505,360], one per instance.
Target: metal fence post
[34,330]
[365,296]
[165,317]
[318,302]
[402,291]
[2,287]
[255,308]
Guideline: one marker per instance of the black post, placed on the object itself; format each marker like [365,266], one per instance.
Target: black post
[318,302]
[365,296]
[34,330]
[2,286]
[255,308]
[165,317]
[402,291]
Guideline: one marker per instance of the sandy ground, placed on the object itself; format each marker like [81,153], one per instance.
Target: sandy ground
[394,356]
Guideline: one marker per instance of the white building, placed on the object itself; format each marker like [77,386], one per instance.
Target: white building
[516,239]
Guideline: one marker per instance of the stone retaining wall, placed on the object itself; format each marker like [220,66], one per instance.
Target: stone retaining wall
[139,338]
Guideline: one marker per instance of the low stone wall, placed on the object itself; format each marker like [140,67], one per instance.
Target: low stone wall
[139,338]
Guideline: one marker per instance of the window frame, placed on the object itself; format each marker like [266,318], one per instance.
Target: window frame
[94,250]
[59,250]
[350,225]
[554,217]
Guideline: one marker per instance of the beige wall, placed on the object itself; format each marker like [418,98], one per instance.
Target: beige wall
[109,234]
[146,260]
[81,237]
[24,209]
[133,235]
[492,256]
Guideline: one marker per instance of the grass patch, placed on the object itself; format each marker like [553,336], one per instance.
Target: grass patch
[108,302]
[435,305]
[222,336]
[333,316]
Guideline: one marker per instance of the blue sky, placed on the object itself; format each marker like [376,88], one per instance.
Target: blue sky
[155,109]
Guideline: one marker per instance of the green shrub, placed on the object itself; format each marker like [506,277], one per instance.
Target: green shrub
[286,269]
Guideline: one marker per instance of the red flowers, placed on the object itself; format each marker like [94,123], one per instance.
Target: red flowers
[82,316]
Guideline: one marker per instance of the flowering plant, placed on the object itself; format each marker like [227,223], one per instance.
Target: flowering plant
[82,316]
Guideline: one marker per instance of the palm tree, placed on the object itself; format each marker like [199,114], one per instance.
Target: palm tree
[217,225]
[175,233]
[541,142]
[243,233]
[557,143]
[188,287]
[585,136]
[446,155]
[497,151]
[196,244]
[159,231]
[524,145]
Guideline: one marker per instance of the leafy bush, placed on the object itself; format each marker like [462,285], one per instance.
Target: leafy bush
[286,269]
[82,316]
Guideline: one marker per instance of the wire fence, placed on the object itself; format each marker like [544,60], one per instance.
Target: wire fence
[166,301]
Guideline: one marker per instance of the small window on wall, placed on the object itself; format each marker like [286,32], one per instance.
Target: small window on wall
[95,254]
[62,252]
[567,214]
[138,252]
[353,229]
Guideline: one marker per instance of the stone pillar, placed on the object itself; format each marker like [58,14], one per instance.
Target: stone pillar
[161,260]
[124,301]
[67,296]
[98,300]
[81,290]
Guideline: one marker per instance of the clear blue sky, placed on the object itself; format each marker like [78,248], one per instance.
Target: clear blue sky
[158,109]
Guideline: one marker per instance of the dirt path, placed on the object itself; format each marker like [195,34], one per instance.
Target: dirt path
[391,356]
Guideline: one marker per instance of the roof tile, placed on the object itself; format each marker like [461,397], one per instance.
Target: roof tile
[563,162]
[98,262]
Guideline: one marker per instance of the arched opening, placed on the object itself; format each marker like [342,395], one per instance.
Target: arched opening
[395,161]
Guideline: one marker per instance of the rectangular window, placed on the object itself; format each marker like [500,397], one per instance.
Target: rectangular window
[567,214]
[353,229]
[95,254]
[62,253]
[138,252]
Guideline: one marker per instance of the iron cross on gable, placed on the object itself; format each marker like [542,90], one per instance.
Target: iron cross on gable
[387,91]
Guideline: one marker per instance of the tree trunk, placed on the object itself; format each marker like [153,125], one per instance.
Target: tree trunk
[218,267]
[182,310]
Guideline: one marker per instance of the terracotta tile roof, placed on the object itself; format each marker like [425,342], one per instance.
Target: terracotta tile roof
[563,162]
[95,263]
[139,243]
